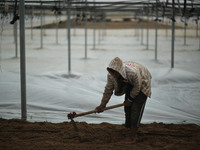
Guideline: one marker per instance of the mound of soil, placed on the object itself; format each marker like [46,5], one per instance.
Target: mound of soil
[20,135]
[111,25]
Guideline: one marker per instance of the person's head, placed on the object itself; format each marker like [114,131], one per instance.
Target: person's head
[114,73]
[116,68]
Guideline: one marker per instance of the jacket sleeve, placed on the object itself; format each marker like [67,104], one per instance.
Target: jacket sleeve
[108,91]
[134,79]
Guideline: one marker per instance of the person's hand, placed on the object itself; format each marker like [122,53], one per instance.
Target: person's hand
[99,108]
[127,103]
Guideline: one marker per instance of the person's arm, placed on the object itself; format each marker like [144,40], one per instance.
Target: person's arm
[134,80]
[128,100]
[108,91]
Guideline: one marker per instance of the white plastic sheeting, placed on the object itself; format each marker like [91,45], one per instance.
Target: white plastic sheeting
[52,94]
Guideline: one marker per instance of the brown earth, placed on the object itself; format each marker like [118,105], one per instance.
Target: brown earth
[112,25]
[18,135]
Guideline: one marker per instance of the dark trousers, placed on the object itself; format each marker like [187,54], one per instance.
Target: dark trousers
[134,112]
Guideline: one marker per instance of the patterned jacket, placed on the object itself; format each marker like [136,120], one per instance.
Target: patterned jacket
[133,73]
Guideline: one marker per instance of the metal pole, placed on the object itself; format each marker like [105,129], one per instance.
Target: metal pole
[199,42]
[156,41]
[22,61]
[142,33]
[44,20]
[197,28]
[56,27]
[99,31]
[69,34]
[85,30]
[85,36]
[173,35]
[41,26]
[102,27]
[67,21]
[166,29]
[147,46]
[136,27]
[136,24]
[31,22]
[137,31]
[185,25]
[94,31]
[156,31]
[16,38]
[74,21]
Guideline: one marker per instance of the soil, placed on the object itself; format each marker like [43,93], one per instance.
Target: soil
[111,25]
[21,135]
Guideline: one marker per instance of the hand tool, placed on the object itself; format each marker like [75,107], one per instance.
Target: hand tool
[75,115]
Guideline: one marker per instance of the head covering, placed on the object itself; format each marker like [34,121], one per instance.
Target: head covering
[117,65]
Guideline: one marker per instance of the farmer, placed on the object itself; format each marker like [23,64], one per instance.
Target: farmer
[133,80]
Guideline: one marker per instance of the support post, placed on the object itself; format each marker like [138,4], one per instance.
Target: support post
[56,27]
[199,42]
[137,31]
[85,19]
[99,33]
[94,31]
[67,21]
[22,62]
[16,38]
[185,26]
[32,23]
[74,23]
[142,33]
[147,46]
[41,25]
[197,28]
[69,34]
[173,34]
[166,29]
[156,32]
